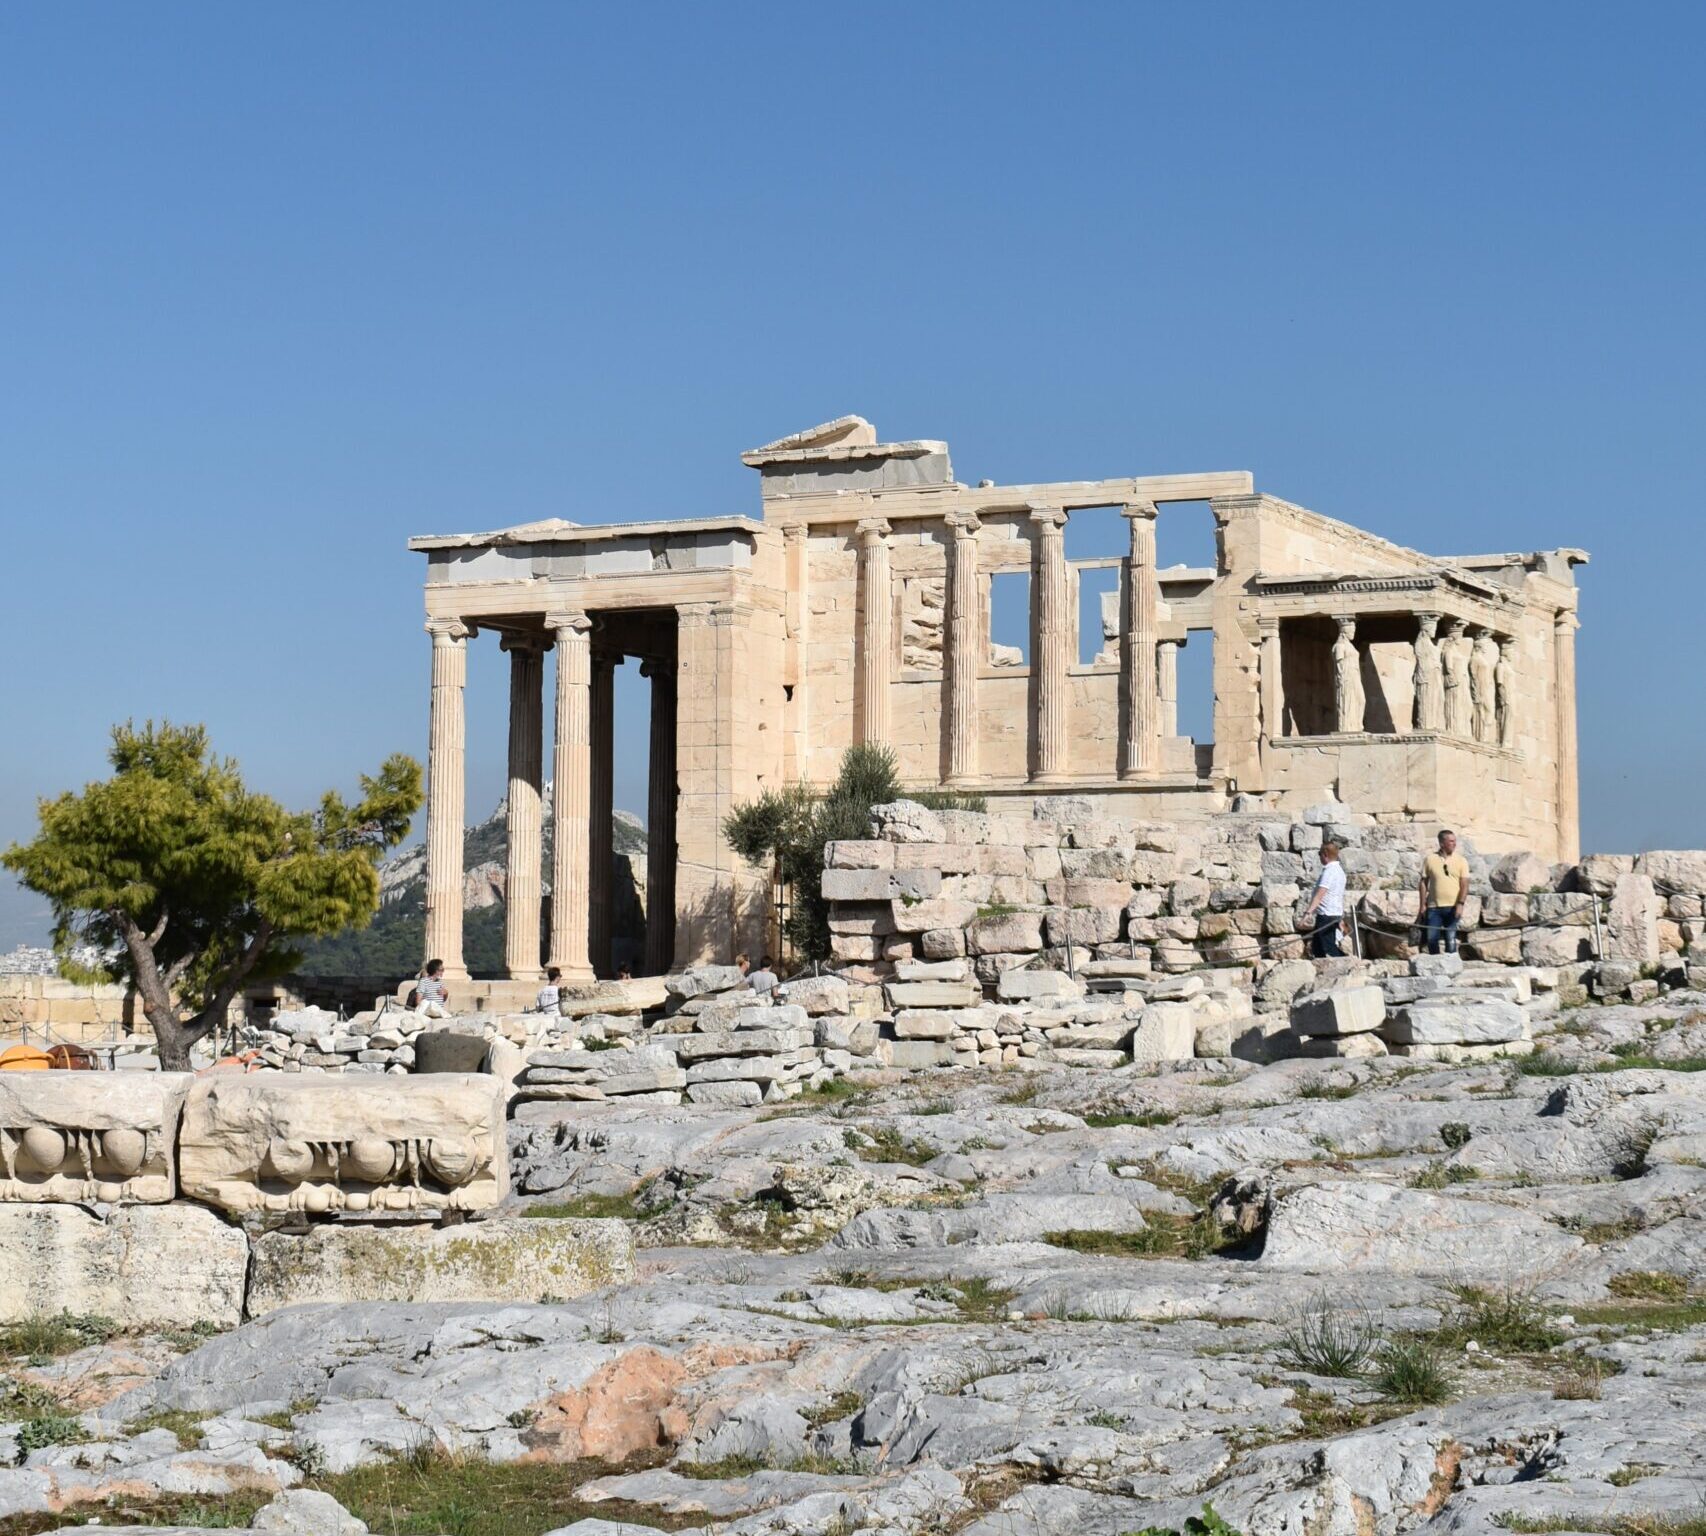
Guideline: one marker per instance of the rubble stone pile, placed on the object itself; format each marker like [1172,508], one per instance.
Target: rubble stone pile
[718,1042]
[984,939]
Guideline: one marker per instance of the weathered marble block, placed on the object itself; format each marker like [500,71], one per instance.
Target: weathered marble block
[331,1144]
[86,1136]
[485,1261]
[145,1266]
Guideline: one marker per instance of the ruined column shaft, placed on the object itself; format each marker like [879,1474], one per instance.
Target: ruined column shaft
[571,798]
[524,825]
[1142,745]
[446,742]
[875,664]
[600,855]
[965,651]
[1052,704]
[1167,685]
[1564,685]
[660,822]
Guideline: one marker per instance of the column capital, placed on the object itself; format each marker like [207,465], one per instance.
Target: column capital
[524,644]
[450,631]
[1144,509]
[869,528]
[1428,620]
[965,525]
[1564,620]
[1347,623]
[657,666]
[792,531]
[574,619]
[1267,626]
[1047,518]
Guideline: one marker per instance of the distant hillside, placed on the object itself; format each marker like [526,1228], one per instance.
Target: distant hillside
[391,944]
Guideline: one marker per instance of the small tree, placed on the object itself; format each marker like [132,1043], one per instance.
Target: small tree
[791,825]
[197,883]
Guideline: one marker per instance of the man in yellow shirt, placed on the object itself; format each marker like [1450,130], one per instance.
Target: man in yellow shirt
[1443,889]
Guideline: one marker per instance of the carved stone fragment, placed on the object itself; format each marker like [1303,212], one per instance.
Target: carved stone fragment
[335,1144]
[90,1136]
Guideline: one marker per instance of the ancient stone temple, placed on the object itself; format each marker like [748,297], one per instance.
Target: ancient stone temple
[857,608]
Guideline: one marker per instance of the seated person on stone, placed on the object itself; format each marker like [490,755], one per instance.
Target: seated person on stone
[430,996]
[764,979]
[550,996]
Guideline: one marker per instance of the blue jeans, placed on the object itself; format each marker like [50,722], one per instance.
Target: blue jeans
[1324,937]
[1442,925]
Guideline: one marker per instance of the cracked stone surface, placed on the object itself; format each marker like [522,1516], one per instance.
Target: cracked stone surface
[1051,1300]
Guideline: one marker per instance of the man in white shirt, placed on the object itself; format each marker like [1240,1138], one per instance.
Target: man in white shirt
[550,996]
[1325,914]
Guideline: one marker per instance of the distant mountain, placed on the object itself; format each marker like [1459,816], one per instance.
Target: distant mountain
[391,944]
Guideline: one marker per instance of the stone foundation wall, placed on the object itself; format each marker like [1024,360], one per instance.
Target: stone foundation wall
[983,939]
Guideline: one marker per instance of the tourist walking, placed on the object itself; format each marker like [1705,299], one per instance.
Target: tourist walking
[1443,889]
[1325,914]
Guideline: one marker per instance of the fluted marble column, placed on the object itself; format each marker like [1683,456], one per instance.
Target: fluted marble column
[1167,685]
[660,821]
[600,852]
[965,650]
[1564,627]
[525,828]
[1051,704]
[1142,745]
[446,769]
[571,798]
[875,663]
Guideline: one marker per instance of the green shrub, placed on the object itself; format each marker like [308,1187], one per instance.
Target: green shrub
[1326,1341]
[1509,1320]
[1410,1369]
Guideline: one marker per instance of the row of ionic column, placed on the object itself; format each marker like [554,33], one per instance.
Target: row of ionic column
[581,807]
[1141,701]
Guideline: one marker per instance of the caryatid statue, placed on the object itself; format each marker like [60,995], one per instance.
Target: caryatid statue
[1428,710]
[1483,663]
[1504,685]
[1454,654]
[1348,698]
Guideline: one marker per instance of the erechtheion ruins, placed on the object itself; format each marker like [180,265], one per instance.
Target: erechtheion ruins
[856,608]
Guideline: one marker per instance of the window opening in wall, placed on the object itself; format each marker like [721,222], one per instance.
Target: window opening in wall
[1098,613]
[1184,535]
[1196,687]
[1096,533]
[1010,619]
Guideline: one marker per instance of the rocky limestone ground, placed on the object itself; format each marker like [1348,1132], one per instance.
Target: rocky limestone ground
[1321,1297]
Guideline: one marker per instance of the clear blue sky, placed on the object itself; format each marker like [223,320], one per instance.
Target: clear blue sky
[281,286]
